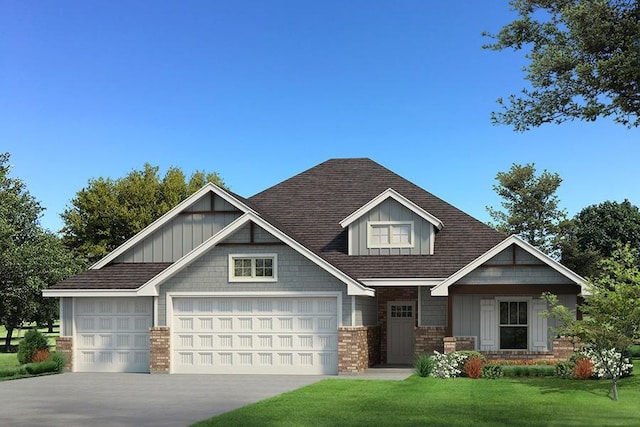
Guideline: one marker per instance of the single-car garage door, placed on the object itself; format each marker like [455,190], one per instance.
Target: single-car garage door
[262,335]
[112,334]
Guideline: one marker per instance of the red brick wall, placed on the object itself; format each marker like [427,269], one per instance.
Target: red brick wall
[64,345]
[386,295]
[358,348]
[452,344]
[160,350]
[428,339]
[564,347]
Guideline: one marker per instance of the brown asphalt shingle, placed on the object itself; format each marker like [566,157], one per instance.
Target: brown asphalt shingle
[114,276]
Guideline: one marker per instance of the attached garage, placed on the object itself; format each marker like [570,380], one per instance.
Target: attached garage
[251,334]
[112,334]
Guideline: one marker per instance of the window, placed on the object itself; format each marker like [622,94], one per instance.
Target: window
[252,268]
[514,329]
[390,234]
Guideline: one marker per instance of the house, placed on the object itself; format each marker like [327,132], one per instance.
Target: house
[344,266]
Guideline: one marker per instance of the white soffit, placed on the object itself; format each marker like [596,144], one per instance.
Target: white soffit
[209,187]
[443,288]
[62,293]
[391,193]
[401,282]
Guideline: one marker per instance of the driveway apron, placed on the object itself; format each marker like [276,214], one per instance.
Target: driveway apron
[97,400]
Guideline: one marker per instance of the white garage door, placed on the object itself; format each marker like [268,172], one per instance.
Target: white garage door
[112,334]
[286,335]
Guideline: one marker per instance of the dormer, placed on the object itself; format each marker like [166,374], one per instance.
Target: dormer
[391,224]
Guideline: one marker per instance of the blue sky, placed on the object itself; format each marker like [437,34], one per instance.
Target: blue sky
[259,91]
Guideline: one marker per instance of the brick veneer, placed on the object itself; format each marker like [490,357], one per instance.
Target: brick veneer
[564,347]
[452,344]
[358,348]
[386,295]
[160,349]
[428,339]
[64,345]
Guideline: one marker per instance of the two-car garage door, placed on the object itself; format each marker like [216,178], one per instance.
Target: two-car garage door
[262,335]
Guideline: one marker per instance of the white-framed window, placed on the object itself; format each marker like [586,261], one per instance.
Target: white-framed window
[513,326]
[253,267]
[390,234]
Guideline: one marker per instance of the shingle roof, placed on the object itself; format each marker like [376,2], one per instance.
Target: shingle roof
[310,206]
[114,276]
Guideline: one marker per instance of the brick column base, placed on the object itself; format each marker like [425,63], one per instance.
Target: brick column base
[160,350]
[428,339]
[453,344]
[64,346]
[358,348]
[564,347]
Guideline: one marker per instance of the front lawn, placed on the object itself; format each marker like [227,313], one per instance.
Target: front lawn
[449,402]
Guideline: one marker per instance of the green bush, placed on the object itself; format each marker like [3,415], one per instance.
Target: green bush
[59,359]
[492,371]
[423,365]
[634,351]
[32,342]
[564,370]
[471,354]
[12,372]
[528,371]
[41,367]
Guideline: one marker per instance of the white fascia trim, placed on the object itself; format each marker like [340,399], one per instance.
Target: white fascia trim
[391,193]
[353,286]
[150,288]
[89,293]
[402,282]
[443,288]
[209,187]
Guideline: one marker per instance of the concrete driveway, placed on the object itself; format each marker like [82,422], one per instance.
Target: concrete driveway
[96,400]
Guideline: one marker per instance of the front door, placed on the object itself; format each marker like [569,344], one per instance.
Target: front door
[400,330]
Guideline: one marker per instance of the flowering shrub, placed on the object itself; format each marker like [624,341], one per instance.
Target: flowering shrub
[447,365]
[606,363]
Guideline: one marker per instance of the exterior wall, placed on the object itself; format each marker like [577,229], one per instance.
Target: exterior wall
[186,231]
[453,344]
[210,273]
[433,310]
[358,348]
[64,345]
[366,311]
[386,295]
[514,275]
[160,350]
[429,339]
[390,210]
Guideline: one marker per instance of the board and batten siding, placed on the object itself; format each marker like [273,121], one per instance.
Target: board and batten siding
[366,313]
[390,210]
[190,228]
[210,274]
[433,310]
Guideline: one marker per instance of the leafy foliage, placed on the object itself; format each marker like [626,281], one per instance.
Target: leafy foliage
[423,365]
[32,342]
[565,370]
[447,365]
[530,206]
[473,367]
[107,212]
[492,371]
[583,368]
[584,62]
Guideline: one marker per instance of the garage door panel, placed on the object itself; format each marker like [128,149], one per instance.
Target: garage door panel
[255,335]
[112,334]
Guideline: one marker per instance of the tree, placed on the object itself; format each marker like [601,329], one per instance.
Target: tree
[595,232]
[531,206]
[611,313]
[30,258]
[107,212]
[584,61]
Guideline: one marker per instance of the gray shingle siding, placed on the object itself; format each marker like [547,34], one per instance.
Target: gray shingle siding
[494,275]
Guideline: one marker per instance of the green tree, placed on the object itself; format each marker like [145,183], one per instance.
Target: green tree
[611,313]
[107,212]
[530,206]
[30,258]
[596,231]
[583,61]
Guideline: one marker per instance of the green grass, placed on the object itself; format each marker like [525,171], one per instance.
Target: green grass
[8,360]
[19,333]
[450,402]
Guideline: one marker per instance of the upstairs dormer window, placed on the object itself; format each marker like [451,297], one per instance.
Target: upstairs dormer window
[390,234]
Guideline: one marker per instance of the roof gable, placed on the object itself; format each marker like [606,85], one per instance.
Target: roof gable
[390,193]
[442,289]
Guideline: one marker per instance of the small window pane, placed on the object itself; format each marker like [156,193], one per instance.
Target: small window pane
[522,313]
[242,267]
[513,337]
[513,313]
[380,234]
[504,313]
[401,234]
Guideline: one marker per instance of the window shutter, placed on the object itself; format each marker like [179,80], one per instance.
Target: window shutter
[488,325]
[539,325]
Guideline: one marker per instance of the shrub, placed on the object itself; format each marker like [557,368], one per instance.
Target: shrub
[564,370]
[472,354]
[473,367]
[32,342]
[492,371]
[447,365]
[41,355]
[607,361]
[583,368]
[40,367]
[12,372]
[634,351]
[59,359]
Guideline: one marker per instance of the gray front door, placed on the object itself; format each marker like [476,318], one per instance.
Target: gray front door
[400,330]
